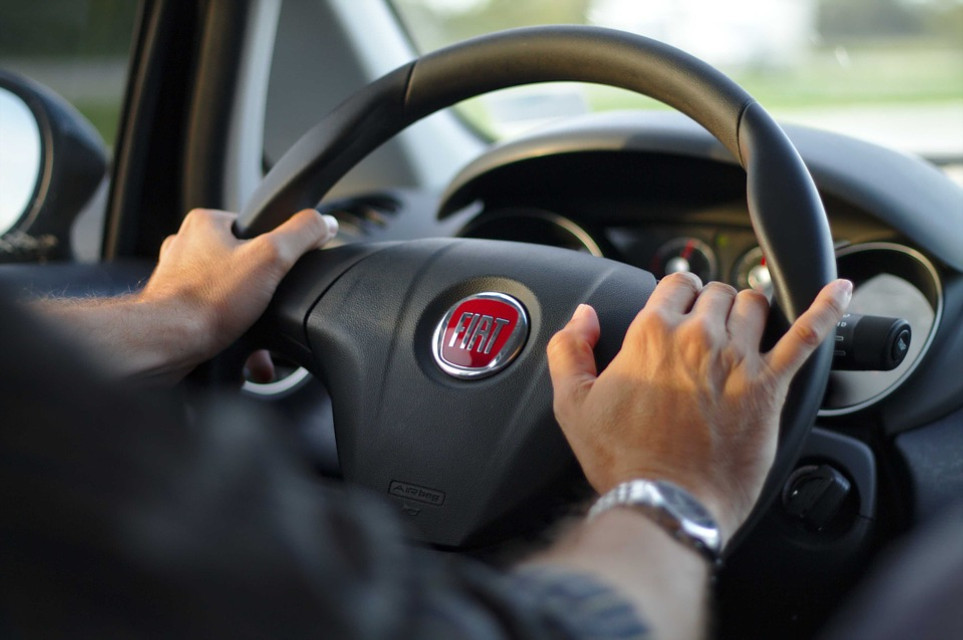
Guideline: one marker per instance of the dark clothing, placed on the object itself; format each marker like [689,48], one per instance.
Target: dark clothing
[119,516]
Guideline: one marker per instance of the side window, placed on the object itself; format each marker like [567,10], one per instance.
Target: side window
[80,50]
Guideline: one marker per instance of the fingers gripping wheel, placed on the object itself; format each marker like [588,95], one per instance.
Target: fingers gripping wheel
[465,457]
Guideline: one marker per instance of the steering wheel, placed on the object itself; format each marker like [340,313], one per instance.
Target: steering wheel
[433,350]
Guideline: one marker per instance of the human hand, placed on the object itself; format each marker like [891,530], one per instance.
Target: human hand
[224,284]
[689,398]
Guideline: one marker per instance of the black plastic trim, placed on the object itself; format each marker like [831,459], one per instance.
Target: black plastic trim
[935,466]
[145,203]
[214,96]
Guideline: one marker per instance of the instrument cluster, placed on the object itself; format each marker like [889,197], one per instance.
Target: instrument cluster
[711,252]
[890,279]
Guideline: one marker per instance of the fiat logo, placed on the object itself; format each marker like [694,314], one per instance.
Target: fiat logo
[480,335]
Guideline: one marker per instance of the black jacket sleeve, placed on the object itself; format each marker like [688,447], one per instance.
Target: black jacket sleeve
[122,516]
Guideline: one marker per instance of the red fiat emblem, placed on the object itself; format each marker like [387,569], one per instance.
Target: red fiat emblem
[480,335]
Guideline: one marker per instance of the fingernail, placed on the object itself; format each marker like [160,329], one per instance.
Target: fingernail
[846,288]
[332,223]
[580,311]
[843,292]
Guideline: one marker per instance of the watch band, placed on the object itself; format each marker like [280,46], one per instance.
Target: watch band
[670,506]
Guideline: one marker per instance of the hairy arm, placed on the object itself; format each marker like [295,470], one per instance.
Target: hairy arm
[689,399]
[207,289]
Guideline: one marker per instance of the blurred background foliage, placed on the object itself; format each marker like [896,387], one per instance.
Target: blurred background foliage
[66,28]
[435,23]
[79,48]
[902,55]
[862,52]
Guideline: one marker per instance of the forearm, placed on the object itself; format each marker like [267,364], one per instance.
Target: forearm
[664,581]
[208,288]
[133,338]
[691,401]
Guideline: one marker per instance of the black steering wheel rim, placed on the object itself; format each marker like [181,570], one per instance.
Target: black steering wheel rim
[784,205]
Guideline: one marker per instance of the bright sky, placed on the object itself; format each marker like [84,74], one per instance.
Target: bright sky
[451,6]
[722,33]
[733,6]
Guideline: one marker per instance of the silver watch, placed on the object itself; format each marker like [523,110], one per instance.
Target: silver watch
[671,507]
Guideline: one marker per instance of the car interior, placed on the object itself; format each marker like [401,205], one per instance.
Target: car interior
[264,107]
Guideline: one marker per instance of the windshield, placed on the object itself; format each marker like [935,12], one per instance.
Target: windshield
[890,71]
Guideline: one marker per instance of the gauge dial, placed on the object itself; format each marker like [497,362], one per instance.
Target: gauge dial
[685,254]
[534,226]
[751,272]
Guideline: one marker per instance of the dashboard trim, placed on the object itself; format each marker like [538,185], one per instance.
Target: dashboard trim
[841,166]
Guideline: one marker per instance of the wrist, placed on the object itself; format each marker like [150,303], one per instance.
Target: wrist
[676,511]
[164,338]
[710,494]
[185,324]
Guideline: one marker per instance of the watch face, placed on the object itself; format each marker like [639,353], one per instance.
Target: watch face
[684,506]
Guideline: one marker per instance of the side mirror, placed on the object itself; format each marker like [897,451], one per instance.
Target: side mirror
[51,162]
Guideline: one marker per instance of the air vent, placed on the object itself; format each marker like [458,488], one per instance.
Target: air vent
[362,217]
[18,246]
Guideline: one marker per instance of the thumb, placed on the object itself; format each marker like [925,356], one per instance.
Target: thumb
[302,232]
[571,361]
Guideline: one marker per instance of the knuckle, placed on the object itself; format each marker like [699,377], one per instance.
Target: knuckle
[722,288]
[754,297]
[700,330]
[200,214]
[653,322]
[655,318]
[166,244]
[806,335]
[558,343]
[201,218]
[268,249]
[684,279]
[193,217]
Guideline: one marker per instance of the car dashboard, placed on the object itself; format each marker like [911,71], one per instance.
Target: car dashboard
[654,190]
[659,224]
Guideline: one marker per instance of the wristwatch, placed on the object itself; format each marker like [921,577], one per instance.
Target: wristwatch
[671,507]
